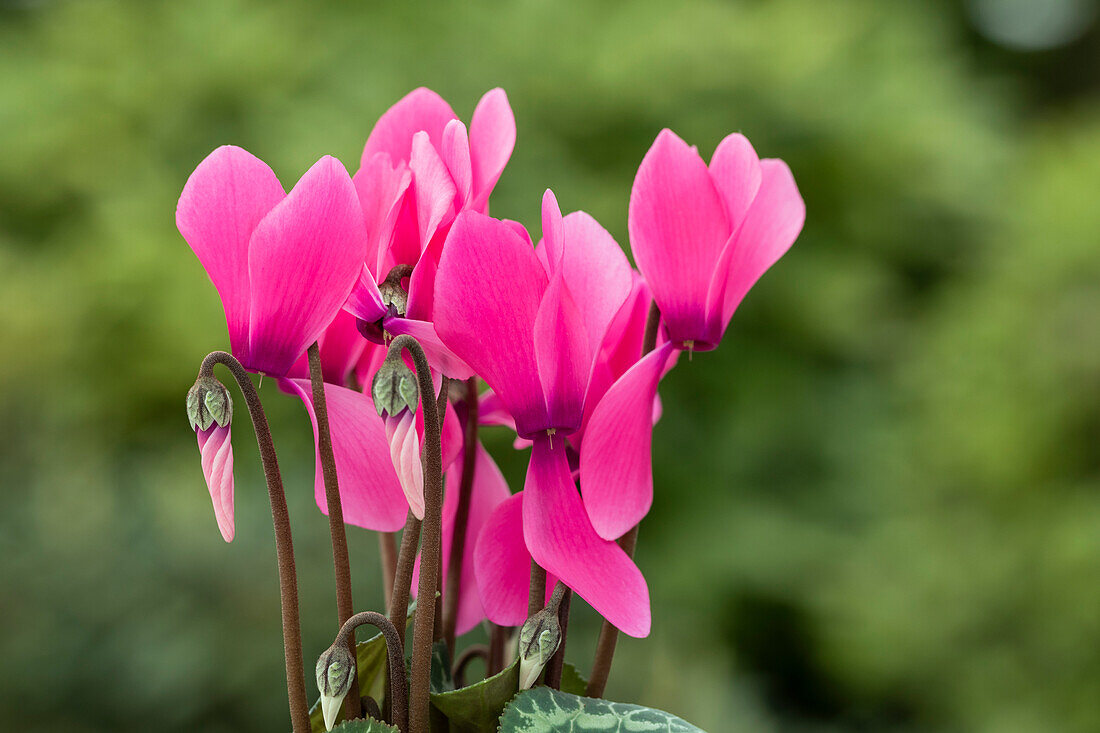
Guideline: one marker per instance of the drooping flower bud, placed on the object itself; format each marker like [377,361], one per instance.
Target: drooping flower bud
[209,403]
[216,450]
[335,673]
[538,640]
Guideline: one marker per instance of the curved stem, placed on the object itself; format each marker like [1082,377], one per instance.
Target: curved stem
[399,598]
[395,656]
[284,546]
[431,529]
[462,514]
[340,561]
[472,652]
[609,635]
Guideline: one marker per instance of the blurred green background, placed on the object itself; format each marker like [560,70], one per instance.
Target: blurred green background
[878,504]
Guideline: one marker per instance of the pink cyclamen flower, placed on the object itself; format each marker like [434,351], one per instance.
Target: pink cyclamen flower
[702,236]
[420,168]
[530,322]
[282,263]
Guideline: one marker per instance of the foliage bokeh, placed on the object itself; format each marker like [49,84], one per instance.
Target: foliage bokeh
[878,504]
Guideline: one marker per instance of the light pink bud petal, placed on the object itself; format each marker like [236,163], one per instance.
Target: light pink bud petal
[616,472]
[678,225]
[492,139]
[488,290]
[561,539]
[303,259]
[217,466]
[420,109]
[223,201]
[405,455]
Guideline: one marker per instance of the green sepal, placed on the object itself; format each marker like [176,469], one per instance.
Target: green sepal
[394,387]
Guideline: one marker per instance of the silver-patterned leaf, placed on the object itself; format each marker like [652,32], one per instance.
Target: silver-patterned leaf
[543,710]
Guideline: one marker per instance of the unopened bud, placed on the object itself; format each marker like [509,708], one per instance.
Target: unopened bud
[394,387]
[208,402]
[335,673]
[538,640]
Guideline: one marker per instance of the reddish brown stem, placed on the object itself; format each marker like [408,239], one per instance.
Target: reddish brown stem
[462,514]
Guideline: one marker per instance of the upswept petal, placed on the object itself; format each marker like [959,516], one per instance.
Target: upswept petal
[224,199]
[420,109]
[303,259]
[365,301]
[553,232]
[616,470]
[487,295]
[439,356]
[561,539]
[678,225]
[772,223]
[456,154]
[492,139]
[735,169]
[381,186]
[216,451]
[597,271]
[434,188]
[562,355]
[491,411]
[502,564]
[370,493]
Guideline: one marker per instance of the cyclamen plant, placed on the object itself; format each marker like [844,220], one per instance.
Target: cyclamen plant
[382,301]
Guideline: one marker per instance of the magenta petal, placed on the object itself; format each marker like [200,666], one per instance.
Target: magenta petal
[225,198]
[735,170]
[381,187]
[216,451]
[598,273]
[561,539]
[455,152]
[561,351]
[420,109]
[488,289]
[370,493]
[492,138]
[491,411]
[434,187]
[770,227]
[553,231]
[678,225]
[502,564]
[439,356]
[365,301]
[616,472]
[303,259]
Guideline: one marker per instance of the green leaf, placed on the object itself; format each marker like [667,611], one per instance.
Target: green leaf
[542,710]
[573,681]
[363,726]
[441,679]
[476,708]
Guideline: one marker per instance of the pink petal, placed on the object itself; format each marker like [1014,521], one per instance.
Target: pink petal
[771,225]
[597,271]
[502,564]
[616,472]
[455,152]
[735,170]
[678,226]
[561,539]
[553,232]
[492,138]
[488,289]
[488,491]
[303,259]
[223,201]
[420,109]
[381,187]
[405,455]
[491,411]
[439,356]
[216,451]
[433,186]
[370,493]
[365,301]
[561,352]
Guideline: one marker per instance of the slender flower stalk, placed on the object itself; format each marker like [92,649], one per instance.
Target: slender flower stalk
[609,635]
[431,531]
[462,515]
[284,545]
[340,561]
[387,552]
[395,657]
[399,598]
[536,596]
[498,640]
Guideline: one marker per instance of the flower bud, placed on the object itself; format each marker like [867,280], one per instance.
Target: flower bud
[208,402]
[538,640]
[335,673]
[394,387]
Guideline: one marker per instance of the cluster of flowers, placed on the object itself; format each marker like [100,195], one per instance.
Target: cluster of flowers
[555,329]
